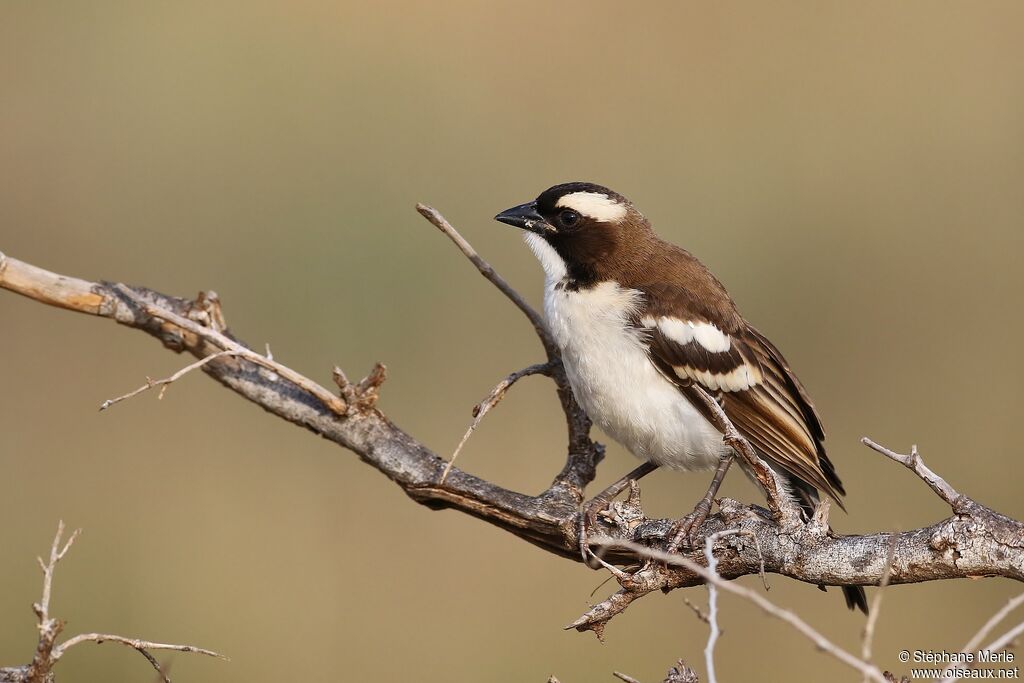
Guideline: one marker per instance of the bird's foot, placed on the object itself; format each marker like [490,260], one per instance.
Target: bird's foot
[687,529]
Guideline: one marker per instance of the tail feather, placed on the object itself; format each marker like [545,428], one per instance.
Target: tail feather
[856,598]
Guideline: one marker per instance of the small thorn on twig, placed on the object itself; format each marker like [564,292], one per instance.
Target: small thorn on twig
[340,378]
[368,388]
[345,388]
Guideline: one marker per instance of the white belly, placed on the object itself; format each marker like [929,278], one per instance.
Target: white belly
[616,383]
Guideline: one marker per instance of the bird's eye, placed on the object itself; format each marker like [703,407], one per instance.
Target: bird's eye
[569,218]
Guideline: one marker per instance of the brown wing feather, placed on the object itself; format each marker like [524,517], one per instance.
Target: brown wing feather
[775,414]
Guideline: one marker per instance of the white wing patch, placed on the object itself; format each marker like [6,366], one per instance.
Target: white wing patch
[740,379]
[713,340]
[594,205]
[686,331]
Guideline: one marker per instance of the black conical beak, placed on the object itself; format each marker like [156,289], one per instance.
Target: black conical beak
[525,216]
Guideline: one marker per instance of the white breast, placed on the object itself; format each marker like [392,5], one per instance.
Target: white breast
[613,378]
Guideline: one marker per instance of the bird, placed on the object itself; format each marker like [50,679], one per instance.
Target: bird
[640,323]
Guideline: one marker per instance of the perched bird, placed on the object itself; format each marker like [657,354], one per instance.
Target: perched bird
[640,322]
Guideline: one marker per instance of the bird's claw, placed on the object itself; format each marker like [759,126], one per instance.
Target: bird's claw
[687,529]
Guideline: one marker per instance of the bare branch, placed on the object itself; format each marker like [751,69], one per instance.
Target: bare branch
[49,628]
[492,399]
[167,381]
[914,463]
[975,541]
[215,337]
[583,454]
[136,643]
[485,268]
[711,578]
[697,611]
[48,653]
[1006,640]
[141,646]
[975,642]
[715,631]
[623,677]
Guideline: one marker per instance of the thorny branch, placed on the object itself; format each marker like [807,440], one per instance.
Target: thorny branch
[48,651]
[974,541]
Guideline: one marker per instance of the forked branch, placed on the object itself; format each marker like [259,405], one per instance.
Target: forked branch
[48,651]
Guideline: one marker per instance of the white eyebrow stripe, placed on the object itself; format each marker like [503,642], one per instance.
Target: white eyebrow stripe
[594,205]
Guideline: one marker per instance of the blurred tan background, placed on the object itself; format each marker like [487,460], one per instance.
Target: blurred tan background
[852,171]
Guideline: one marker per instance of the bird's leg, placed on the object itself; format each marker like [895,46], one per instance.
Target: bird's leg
[687,527]
[588,517]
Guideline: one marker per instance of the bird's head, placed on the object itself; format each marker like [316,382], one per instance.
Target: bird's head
[579,229]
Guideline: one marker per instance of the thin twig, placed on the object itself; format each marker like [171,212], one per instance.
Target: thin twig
[583,453]
[1006,640]
[696,610]
[334,403]
[48,653]
[136,643]
[1003,642]
[167,381]
[442,224]
[915,464]
[715,631]
[57,553]
[975,642]
[49,628]
[870,671]
[624,677]
[876,603]
[598,586]
[492,399]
